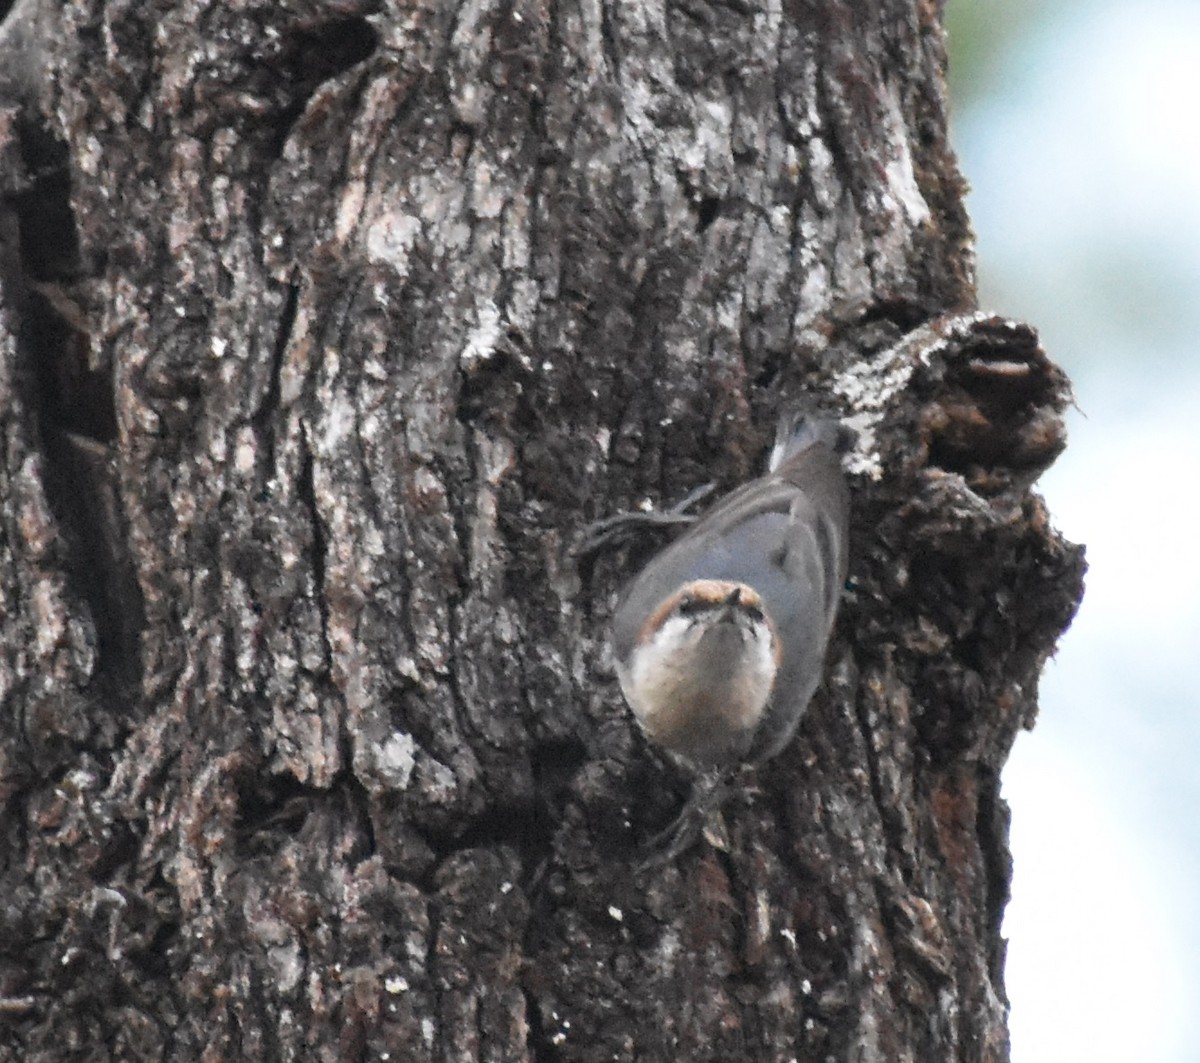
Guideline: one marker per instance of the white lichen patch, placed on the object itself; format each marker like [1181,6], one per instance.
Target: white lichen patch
[487,195]
[762,914]
[50,617]
[372,541]
[244,451]
[390,238]
[337,425]
[706,153]
[823,174]
[523,301]
[440,783]
[397,759]
[349,208]
[481,341]
[870,386]
[898,170]
[667,953]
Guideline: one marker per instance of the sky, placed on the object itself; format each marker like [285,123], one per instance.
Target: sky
[1078,128]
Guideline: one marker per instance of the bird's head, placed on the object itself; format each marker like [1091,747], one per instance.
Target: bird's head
[700,674]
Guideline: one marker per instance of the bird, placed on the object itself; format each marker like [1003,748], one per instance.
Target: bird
[720,640]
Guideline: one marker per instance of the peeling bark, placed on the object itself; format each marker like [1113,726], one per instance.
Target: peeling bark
[325,328]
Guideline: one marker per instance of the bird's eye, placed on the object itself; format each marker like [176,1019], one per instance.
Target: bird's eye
[755,614]
[691,606]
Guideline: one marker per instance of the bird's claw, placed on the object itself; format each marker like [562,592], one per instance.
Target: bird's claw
[699,817]
[621,526]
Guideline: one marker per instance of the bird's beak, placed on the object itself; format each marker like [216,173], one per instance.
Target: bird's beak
[732,602]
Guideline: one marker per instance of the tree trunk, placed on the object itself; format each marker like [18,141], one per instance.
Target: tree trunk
[325,329]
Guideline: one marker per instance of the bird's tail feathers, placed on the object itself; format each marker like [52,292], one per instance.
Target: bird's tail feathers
[800,429]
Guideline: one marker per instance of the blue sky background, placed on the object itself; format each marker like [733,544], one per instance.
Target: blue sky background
[1078,128]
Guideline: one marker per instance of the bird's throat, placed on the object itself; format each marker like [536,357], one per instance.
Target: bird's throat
[704,701]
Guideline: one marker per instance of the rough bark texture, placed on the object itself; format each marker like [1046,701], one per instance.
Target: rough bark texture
[325,327]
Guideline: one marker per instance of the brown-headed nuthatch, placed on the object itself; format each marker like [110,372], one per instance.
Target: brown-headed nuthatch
[720,640]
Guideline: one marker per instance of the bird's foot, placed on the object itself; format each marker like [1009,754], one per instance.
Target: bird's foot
[699,817]
[620,527]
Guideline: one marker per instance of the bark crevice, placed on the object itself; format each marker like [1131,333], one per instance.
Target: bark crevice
[70,394]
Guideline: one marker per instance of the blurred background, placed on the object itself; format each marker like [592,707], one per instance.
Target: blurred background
[1077,125]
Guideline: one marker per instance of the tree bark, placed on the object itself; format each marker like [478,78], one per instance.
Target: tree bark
[325,328]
